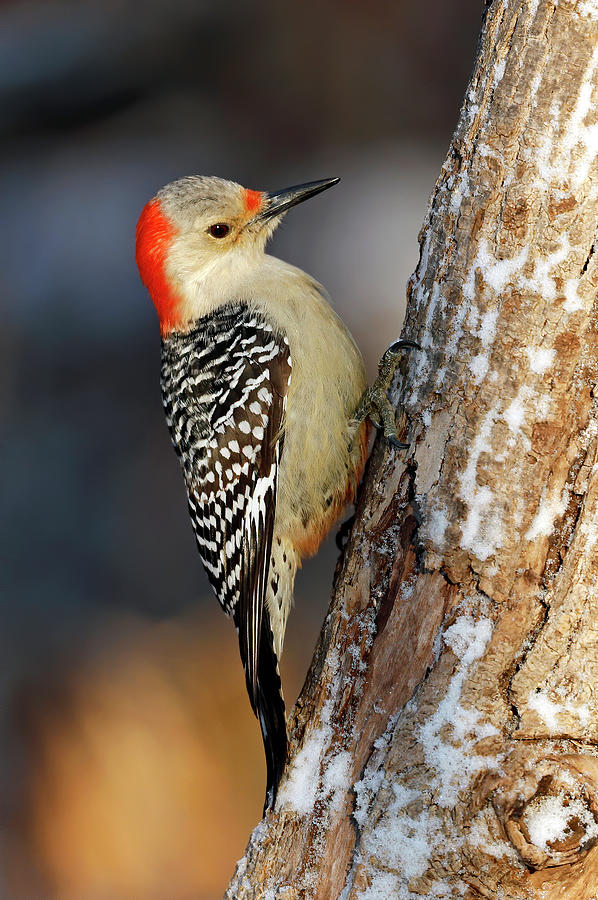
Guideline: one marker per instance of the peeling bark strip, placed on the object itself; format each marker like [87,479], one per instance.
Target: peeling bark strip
[444,744]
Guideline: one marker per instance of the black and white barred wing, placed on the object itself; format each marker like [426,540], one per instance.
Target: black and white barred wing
[235,400]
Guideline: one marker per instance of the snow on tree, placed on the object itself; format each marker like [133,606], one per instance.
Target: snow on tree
[444,744]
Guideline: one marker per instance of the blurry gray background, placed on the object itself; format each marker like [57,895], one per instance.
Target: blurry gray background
[132,767]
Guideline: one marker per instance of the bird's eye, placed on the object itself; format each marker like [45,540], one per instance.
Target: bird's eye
[219,230]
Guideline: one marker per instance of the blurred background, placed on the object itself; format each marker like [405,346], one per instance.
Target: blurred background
[131,766]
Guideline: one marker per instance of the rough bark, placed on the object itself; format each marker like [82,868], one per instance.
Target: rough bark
[452,704]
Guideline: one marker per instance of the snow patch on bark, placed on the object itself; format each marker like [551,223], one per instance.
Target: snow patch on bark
[548,819]
[382,886]
[549,711]
[499,71]
[437,521]
[401,841]
[336,779]
[573,301]
[316,774]
[495,272]
[550,509]
[577,133]
[478,366]
[514,414]
[568,151]
[542,280]
[312,775]
[587,9]
[540,360]
[301,787]
[458,189]
[481,532]
[411,832]
[451,757]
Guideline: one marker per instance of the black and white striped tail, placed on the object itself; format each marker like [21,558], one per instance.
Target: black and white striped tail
[271,713]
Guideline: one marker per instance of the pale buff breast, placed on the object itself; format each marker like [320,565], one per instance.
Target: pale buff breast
[322,458]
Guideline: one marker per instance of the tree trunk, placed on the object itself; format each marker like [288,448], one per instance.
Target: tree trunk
[444,744]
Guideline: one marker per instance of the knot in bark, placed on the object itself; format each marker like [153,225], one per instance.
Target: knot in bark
[550,812]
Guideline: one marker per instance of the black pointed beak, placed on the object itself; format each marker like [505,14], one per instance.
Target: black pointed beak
[278,202]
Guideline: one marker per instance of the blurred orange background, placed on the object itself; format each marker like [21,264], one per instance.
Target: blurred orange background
[132,767]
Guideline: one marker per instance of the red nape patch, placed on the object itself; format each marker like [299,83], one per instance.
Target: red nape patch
[253,200]
[154,237]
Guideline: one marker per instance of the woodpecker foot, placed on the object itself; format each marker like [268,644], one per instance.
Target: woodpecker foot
[375,403]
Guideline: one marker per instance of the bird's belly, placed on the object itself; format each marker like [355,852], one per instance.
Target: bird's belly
[322,457]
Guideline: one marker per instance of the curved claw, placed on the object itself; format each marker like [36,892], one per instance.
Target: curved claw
[397,346]
[386,423]
[396,443]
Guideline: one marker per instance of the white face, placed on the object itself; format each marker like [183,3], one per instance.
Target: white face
[215,220]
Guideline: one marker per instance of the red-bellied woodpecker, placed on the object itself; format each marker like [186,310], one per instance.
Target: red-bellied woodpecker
[261,384]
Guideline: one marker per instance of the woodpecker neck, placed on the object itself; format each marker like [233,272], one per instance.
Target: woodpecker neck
[204,284]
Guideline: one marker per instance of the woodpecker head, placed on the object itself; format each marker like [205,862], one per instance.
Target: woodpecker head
[200,232]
